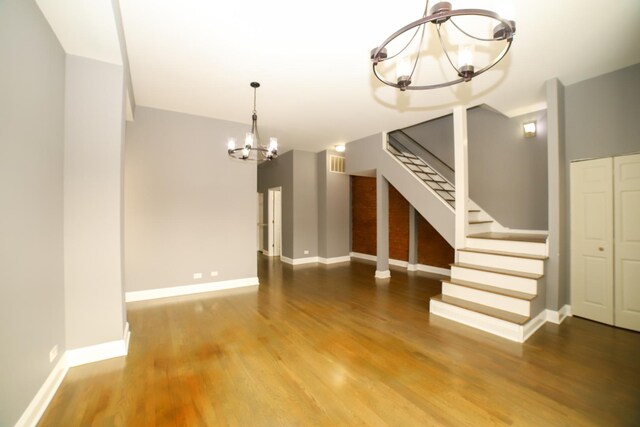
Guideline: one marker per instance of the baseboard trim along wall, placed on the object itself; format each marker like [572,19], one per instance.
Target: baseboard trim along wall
[70,358]
[189,289]
[334,260]
[299,261]
[98,352]
[558,317]
[41,400]
[405,264]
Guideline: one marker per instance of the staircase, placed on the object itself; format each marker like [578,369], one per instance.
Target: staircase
[497,283]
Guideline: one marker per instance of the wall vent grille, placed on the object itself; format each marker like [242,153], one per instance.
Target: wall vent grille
[336,164]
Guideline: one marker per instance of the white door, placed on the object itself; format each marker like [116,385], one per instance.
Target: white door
[627,241]
[260,222]
[275,222]
[277,226]
[592,239]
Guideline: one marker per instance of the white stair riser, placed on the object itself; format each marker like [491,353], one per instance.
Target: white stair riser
[504,281]
[484,227]
[525,265]
[501,302]
[483,322]
[508,246]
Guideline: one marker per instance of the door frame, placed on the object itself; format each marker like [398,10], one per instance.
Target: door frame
[274,206]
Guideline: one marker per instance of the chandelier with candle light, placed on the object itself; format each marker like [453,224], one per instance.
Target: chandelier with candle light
[252,149]
[443,19]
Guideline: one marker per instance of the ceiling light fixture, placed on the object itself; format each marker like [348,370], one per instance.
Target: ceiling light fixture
[340,148]
[503,30]
[252,150]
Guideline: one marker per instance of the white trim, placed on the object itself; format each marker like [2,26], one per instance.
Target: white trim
[98,352]
[398,263]
[334,260]
[533,325]
[265,252]
[382,274]
[41,400]
[528,109]
[489,324]
[299,261]
[436,270]
[558,317]
[405,264]
[366,257]
[189,289]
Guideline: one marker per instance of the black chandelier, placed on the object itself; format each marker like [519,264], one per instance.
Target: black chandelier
[252,150]
[442,13]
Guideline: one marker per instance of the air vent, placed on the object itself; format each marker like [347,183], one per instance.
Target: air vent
[336,164]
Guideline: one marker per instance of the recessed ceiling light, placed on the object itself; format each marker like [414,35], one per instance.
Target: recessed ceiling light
[340,148]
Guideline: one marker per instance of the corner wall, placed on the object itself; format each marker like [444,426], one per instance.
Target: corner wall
[32,306]
[189,208]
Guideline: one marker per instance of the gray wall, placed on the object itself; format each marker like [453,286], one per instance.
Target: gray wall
[296,172]
[305,204]
[333,209]
[507,172]
[31,216]
[602,119]
[94,119]
[279,173]
[189,208]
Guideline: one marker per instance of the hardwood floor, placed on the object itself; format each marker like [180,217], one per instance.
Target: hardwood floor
[331,346]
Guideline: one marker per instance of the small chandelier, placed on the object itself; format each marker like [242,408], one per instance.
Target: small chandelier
[442,13]
[252,150]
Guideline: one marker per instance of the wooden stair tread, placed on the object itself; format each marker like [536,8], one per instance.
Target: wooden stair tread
[485,221]
[507,316]
[514,237]
[492,289]
[502,253]
[513,273]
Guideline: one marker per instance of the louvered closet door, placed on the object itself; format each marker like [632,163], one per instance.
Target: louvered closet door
[592,240]
[627,241]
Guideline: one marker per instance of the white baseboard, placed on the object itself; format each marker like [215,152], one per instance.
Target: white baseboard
[299,261]
[366,257]
[382,274]
[334,260]
[189,289]
[405,264]
[533,325]
[558,317]
[98,352]
[41,400]
[431,269]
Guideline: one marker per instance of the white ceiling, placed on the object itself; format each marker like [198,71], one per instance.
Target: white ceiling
[312,59]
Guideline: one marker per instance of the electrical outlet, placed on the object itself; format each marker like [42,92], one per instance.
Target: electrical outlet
[306,252]
[53,353]
[197,275]
[214,273]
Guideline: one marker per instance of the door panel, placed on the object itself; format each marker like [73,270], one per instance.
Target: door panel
[627,241]
[592,239]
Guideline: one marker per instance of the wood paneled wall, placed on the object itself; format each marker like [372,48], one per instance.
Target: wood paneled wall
[433,250]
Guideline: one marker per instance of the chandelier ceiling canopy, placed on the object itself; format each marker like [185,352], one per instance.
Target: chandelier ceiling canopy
[448,24]
[252,150]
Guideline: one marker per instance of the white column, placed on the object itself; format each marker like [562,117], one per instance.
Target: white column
[462,175]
